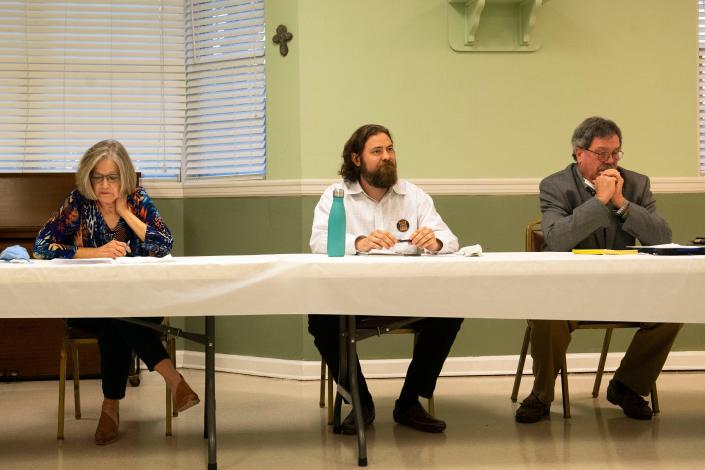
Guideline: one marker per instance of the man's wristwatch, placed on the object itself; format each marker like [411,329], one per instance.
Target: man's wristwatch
[623,211]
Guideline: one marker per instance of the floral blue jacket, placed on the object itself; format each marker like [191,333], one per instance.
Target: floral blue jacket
[79,223]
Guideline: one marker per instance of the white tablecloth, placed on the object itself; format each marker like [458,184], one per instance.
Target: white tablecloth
[496,285]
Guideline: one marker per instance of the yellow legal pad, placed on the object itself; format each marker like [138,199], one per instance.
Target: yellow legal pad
[604,251]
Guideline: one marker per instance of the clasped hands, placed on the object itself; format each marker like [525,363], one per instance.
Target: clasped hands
[423,238]
[608,188]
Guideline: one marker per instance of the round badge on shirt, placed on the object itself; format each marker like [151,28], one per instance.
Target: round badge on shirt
[403,225]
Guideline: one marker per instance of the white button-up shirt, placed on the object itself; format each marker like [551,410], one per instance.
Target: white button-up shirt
[404,201]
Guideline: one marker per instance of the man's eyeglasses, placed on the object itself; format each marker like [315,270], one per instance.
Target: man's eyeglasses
[604,156]
[112,178]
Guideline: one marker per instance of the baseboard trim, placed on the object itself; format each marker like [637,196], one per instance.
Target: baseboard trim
[394,368]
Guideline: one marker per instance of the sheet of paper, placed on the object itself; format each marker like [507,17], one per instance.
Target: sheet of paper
[664,245]
[144,259]
[400,249]
[123,260]
[81,261]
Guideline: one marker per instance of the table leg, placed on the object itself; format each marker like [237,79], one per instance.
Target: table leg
[210,392]
[207,339]
[341,389]
[355,392]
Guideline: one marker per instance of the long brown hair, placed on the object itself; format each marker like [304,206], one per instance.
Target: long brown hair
[355,145]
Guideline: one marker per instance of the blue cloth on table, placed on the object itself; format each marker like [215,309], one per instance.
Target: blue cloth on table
[15,253]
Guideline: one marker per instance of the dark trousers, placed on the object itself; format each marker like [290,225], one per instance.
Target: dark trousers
[436,336]
[116,340]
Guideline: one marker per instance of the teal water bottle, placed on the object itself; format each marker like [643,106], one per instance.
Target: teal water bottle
[336,225]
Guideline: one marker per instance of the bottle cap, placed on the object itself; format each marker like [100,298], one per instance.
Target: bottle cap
[338,192]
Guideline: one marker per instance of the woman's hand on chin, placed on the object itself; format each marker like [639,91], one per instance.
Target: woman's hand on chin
[121,206]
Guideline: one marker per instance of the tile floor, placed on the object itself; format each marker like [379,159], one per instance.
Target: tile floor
[270,423]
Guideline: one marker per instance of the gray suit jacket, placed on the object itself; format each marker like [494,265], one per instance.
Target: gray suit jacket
[573,218]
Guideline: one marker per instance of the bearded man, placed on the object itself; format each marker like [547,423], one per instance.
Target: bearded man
[382,211]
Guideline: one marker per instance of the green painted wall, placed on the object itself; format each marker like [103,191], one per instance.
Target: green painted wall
[172,211]
[493,114]
[457,115]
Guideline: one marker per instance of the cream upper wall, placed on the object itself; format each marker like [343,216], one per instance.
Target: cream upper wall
[481,115]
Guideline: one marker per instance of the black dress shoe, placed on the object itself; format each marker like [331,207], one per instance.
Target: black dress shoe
[416,417]
[633,405]
[368,417]
[532,410]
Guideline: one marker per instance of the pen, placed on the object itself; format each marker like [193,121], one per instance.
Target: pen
[404,241]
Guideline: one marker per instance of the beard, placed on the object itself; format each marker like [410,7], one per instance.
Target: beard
[384,177]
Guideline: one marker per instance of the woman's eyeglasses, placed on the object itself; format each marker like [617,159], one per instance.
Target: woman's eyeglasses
[112,178]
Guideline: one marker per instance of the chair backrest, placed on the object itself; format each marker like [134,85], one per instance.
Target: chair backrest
[368,326]
[27,202]
[534,240]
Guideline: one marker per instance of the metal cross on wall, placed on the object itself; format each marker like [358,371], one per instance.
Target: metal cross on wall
[282,37]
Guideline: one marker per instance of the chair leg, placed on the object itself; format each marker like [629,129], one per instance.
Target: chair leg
[62,391]
[171,343]
[169,405]
[322,394]
[133,374]
[601,365]
[168,410]
[564,388]
[76,381]
[330,398]
[522,360]
[654,399]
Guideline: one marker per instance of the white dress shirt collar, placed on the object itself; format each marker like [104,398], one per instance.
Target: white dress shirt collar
[354,187]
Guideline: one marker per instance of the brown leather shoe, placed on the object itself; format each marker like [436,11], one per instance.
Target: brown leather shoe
[416,417]
[633,405]
[107,430]
[532,410]
[184,396]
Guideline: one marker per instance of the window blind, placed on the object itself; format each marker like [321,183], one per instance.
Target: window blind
[701,83]
[225,92]
[76,72]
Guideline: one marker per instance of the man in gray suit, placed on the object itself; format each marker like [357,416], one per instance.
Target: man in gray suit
[594,203]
